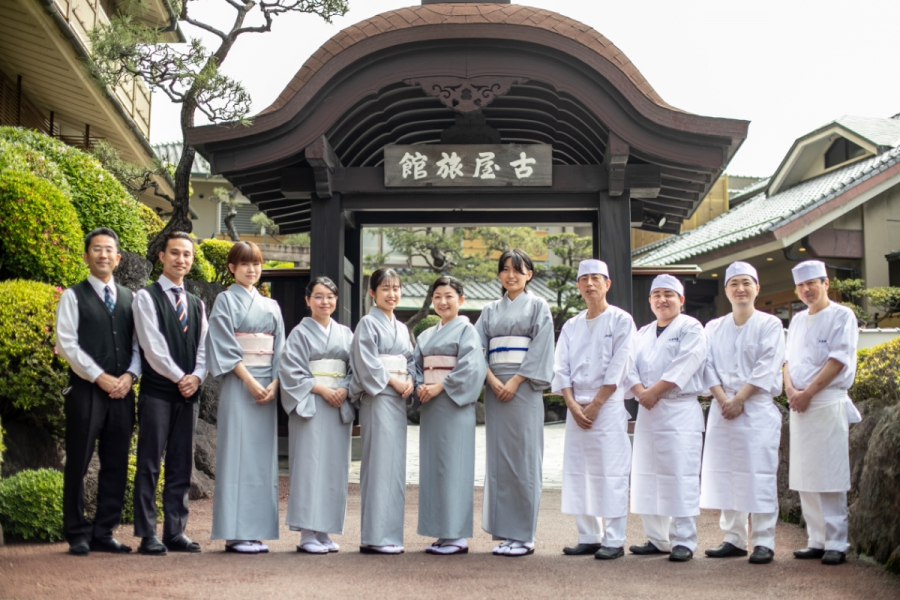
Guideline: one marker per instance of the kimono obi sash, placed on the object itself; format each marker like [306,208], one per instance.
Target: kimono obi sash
[328,372]
[394,363]
[258,348]
[508,349]
[437,368]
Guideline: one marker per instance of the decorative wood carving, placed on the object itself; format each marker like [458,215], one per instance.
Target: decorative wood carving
[466,95]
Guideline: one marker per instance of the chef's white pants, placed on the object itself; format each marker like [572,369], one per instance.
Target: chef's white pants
[734,524]
[591,530]
[668,532]
[826,519]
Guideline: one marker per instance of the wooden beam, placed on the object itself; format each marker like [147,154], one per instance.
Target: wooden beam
[451,202]
[298,183]
[615,246]
[321,157]
[615,159]
[472,217]
[643,181]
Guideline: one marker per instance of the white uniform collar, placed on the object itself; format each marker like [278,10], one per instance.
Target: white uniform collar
[167,284]
[98,285]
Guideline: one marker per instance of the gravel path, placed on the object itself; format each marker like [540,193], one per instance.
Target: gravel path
[47,571]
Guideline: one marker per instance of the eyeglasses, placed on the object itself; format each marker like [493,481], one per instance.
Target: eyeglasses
[103,250]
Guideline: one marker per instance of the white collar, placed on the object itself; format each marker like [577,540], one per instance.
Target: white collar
[167,284]
[98,285]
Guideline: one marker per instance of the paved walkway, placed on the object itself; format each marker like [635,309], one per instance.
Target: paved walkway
[47,571]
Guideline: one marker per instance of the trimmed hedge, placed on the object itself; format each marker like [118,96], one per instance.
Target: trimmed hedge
[428,321]
[32,375]
[878,373]
[31,505]
[216,253]
[99,199]
[40,237]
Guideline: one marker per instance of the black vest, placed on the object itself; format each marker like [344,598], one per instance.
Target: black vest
[182,345]
[106,337]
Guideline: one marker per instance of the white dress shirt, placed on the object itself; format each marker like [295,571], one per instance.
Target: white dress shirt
[67,319]
[156,349]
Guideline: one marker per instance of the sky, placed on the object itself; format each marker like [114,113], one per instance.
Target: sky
[787,66]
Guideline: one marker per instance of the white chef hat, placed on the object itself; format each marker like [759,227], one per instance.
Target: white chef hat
[667,282]
[592,266]
[809,269]
[740,268]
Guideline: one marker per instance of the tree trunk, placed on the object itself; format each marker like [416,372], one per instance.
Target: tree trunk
[181,217]
[420,314]
[229,224]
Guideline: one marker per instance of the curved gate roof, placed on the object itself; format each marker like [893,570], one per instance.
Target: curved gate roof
[363,89]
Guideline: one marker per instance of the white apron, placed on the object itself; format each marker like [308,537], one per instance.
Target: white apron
[597,463]
[820,443]
[740,457]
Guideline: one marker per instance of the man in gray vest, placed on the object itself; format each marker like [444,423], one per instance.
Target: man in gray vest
[95,335]
[171,327]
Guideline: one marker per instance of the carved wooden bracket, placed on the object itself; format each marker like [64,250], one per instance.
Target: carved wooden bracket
[466,95]
[324,161]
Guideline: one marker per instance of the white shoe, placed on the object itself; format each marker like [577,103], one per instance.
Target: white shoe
[262,548]
[521,549]
[448,547]
[312,547]
[242,547]
[326,542]
[381,549]
[432,547]
[503,548]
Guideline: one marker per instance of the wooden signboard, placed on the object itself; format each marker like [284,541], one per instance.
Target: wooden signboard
[468,165]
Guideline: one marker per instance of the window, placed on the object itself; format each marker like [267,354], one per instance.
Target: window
[842,150]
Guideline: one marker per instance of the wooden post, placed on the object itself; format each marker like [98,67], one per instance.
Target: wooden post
[353,250]
[18,101]
[87,137]
[51,123]
[326,243]
[615,246]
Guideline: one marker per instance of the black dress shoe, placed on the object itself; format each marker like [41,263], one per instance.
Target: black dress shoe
[109,545]
[79,548]
[809,553]
[646,549]
[182,543]
[680,554]
[762,555]
[724,550]
[833,557]
[581,549]
[608,553]
[151,546]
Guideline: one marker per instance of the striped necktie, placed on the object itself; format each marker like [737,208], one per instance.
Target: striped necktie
[107,299]
[180,308]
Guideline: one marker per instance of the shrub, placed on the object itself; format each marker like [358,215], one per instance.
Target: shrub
[99,199]
[40,237]
[20,157]
[428,321]
[201,270]
[31,505]
[32,375]
[278,264]
[297,239]
[216,253]
[151,221]
[878,373]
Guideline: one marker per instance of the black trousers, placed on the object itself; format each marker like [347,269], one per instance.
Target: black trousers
[91,415]
[164,426]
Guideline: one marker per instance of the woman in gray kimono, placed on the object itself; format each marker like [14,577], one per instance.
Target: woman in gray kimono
[246,336]
[517,335]
[315,378]
[382,367]
[449,370]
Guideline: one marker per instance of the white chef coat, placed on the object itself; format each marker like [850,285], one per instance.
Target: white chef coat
[67,320]
[665,474]
[740,456]
[596,461]
[156,349]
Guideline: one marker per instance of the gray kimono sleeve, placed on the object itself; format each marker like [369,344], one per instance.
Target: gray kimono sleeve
[224,351]
[538,363]
[295,377]
[466,380]
[369,375]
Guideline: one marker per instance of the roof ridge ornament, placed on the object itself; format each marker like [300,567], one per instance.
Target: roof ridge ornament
[466,95]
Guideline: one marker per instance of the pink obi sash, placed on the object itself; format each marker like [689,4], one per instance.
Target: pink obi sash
[437,368]
[258,348]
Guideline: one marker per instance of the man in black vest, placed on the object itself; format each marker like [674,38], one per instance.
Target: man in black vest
[95,335]
[171,327]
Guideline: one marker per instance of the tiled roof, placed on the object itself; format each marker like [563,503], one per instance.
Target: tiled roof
[171,153]
[761,214]
[748,192]
[881,132]
[464,14]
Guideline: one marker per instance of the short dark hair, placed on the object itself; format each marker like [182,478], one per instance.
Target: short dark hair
[177,235]
[244,252]
[520,260]
[100,231]
[323,281]
[380,275]
[449,281]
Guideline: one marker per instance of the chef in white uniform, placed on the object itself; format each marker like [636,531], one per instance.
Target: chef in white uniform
[743,432]
[593,357]
[666,378]
[820,368]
